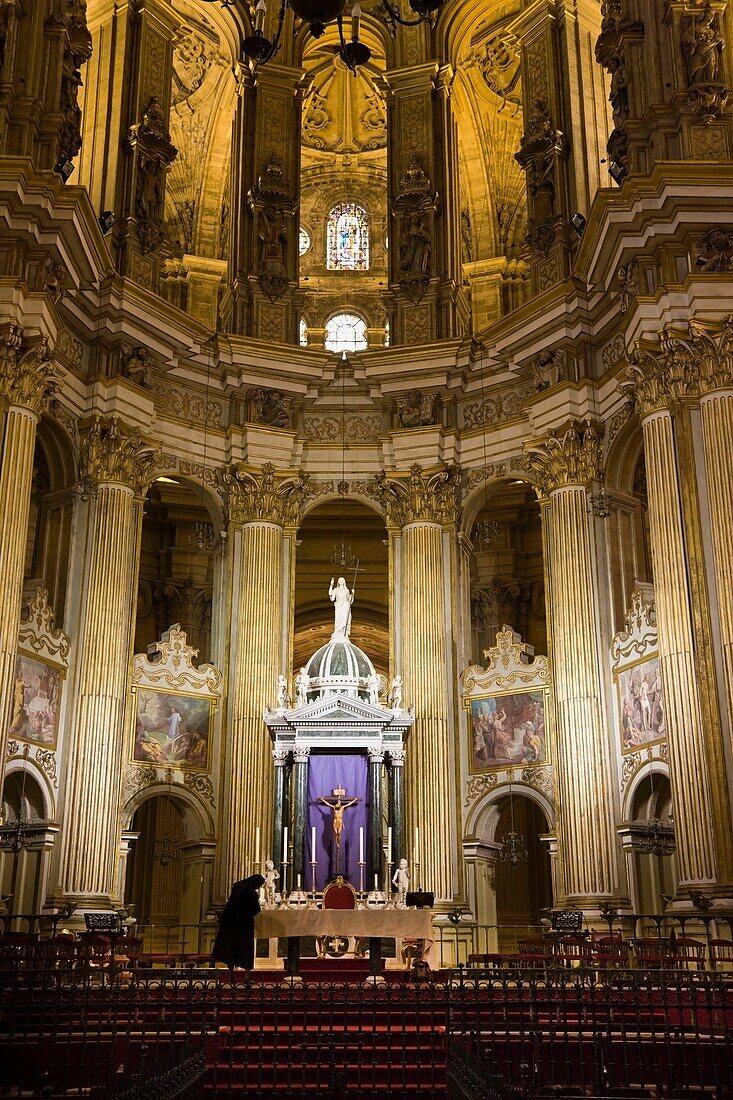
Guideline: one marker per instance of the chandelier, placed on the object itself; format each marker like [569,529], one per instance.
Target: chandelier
[17,834]
[317,14]
[513,849]
[655,836]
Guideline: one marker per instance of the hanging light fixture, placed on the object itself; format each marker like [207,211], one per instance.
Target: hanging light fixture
[201,537]
[654,836]
[164,851]
[318,14]
[513,849]
[16,836]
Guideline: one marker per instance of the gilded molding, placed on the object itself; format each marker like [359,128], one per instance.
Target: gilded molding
[112,452]
[572,456]
[258,496]
[427,498]
[683,365]
[27,379]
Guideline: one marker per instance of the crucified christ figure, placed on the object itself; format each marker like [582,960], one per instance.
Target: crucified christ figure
[338,805]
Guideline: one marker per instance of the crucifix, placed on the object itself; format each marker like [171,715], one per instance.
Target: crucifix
[337,803]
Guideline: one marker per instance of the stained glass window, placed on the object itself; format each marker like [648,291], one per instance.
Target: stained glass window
[304,241]
[346,332]
[303,329]
[347,239]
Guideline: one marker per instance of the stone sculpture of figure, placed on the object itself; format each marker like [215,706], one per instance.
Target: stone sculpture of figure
[627,277]
[273,242]
[540,178]
[302,683]
[395,694]
[373,687]
[703,44]
[283,696]
[271,877]
[619,96]
[401,879]
[342,598]
[415,245]
[338,806]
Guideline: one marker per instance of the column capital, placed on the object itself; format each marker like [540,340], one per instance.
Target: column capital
[376,756]
[258,496]
[419,497]
[571,455]
[280,757]
[301,754]
[397,757]
[659,374]
[111,452]
[27,378]
[712,346]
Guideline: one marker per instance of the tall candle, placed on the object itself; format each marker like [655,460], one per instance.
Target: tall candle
[299,885]
[361,844]
[417,845]
[389,844]
[285,844]
[376,883]
[313,844]
[257,847]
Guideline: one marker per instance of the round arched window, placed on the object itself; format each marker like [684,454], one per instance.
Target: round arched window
[346,332]
[347,238]
[303,333]
[304,241]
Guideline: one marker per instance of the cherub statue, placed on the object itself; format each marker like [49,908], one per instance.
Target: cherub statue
[401,879]
[271,877]
[283,695]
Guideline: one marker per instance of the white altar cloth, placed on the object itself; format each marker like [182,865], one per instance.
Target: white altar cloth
[398,924]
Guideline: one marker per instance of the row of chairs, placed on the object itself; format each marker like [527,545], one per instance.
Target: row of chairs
[611,951]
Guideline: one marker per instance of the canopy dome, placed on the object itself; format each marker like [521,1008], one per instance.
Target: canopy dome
[339,668]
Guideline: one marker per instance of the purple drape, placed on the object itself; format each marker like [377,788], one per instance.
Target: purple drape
[325,774]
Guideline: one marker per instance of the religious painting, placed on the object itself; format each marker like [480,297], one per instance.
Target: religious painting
[508,730]
[172,728]
[641,704]
[36,699]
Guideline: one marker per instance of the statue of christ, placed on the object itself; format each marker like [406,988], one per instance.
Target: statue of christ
[342,599]
[338,805]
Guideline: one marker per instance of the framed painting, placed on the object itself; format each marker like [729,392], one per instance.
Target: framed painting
[36,700]
[641,704]
[508,729]
[172,728]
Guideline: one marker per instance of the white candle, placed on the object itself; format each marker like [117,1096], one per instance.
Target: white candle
[299,882]
[313,844]
[257,847]
[389,844]
[285,844]
[361,844]
[376,883]
[417,845]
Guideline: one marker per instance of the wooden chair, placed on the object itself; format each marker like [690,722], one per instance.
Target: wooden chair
[721,954]
[571,949]
[652,953]
[339,894]
[533,952]
[689,954]
[609,952]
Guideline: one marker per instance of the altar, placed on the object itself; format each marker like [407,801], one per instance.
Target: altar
[370,924]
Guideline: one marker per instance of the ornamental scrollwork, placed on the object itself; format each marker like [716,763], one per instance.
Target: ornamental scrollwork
[682,364]
[28,378]
[479,785]
[259,495]
[112,452]
[138,777]
[431,498]
[573,456]
[201,784]
[47,761]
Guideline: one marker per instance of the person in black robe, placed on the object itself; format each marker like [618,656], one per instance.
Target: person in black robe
[235,940]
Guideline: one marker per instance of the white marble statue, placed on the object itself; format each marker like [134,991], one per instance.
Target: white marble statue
[373,688]
[395,694]
[341,598]
[283,696]
[271,877]
[401,879]
[302,683]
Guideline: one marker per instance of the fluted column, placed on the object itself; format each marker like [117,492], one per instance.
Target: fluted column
[422,506]
[564,465]
[260,505]
[114,466]
[657,381]
[26,379]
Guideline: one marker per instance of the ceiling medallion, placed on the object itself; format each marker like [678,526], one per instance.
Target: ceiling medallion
[317,14]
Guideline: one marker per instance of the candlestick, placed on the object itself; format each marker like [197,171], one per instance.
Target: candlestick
[312,904]
[388,901]
[284,892]
[362,865]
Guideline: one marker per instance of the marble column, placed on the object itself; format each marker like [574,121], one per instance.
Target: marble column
[114,466]
[564,464]
[260,506]
[397,805]
[423,506]
[26,379]
[301,757]
[375,817]
[658,381]
[281,805]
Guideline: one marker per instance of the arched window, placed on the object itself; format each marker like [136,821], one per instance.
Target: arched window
[304,241]
[303,333]
[347,238]
[346,332]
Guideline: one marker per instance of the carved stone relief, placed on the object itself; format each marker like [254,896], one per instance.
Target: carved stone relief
[702,45]
[272,204]
[541,148]
[155,153]
[267,407]
[414,210]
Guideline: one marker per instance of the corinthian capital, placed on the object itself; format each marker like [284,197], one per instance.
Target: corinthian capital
[712,347]
[431,498]
[259,496]
[660,375]
[112,452]
[571,456]
[27,378]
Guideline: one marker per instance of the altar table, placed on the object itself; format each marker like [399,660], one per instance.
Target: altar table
[371,924]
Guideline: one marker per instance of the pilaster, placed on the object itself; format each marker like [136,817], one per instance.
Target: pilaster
[564,463]
[114,467]
[27,379]
[423,505]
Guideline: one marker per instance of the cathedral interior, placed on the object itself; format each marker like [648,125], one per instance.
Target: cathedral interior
[440,301]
